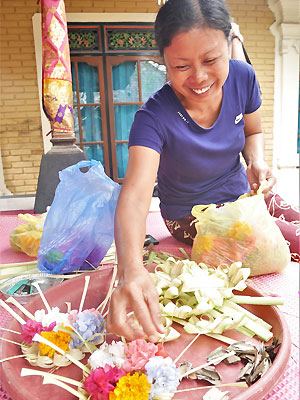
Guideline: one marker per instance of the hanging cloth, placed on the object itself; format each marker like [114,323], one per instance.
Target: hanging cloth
[56,74]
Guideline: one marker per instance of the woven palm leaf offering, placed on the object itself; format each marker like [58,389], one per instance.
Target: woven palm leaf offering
[201,299]
[75,332]
[197,298]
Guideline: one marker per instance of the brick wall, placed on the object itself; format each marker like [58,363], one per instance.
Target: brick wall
[21,140]
[20,124]
[255,18]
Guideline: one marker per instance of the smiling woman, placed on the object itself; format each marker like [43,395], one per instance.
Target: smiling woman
[188,135]
[198,73]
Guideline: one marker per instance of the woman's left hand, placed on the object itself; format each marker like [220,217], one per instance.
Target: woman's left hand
[259,172]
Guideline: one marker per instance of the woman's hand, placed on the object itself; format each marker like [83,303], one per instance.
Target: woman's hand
[135,292]
[257,169]
[257,173]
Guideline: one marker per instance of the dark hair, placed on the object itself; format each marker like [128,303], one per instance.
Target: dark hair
[177,16]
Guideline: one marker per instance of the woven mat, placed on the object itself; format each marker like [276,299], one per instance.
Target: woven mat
[285,285]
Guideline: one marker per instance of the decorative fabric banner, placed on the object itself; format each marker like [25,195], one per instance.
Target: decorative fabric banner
[57,77]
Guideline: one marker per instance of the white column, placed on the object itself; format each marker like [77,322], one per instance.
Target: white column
[289,58]
[286,97]
[3,189]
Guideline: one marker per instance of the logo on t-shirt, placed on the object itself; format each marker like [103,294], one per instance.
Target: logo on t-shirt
[238,118]
[183,117]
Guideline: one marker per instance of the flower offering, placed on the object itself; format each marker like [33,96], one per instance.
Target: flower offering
[75,333]
[196,296]
[133,370]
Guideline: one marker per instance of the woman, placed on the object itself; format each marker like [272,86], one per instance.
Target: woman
[189,135]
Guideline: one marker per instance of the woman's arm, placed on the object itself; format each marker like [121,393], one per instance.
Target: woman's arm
[136,291]
[236,38]
[253,152]
[237,51]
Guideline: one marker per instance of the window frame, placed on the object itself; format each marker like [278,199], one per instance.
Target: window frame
[109,58]
[111,61]
[95,62]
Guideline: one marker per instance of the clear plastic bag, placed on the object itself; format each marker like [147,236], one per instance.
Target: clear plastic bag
[26,238]
[79,228]
[240,231]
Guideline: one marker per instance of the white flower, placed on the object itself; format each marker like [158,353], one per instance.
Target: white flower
[163,376]
[111,354]
[39,315]
[53,316]
[101,357]
[116,350]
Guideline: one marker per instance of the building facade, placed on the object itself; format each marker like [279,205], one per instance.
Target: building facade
[271,37]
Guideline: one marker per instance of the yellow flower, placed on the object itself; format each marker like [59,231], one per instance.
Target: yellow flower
[60,339]
[131,387]
[240,231]
[203,243]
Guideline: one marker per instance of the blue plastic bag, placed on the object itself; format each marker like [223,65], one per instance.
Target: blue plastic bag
[79,226]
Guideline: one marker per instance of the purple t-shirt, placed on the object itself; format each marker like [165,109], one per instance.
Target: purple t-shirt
[198,165]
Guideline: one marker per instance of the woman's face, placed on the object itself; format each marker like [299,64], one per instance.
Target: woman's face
[197,62]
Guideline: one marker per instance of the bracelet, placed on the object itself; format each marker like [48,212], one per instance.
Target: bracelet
[240,38]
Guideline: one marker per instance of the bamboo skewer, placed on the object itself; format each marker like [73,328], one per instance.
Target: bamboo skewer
[42,296]
[86,284]
[21,264]
[237,384]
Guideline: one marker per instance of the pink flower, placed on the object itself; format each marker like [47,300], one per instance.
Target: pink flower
[161,351]
[101,381]
[72,316]
[138,353]
[30,328]
[91,311]
[49,328]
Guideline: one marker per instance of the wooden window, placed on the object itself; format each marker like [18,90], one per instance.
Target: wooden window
[90,108]
[131,80]
[115,69]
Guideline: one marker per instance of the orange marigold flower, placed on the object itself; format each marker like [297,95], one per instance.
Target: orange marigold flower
[240,231]
[131,387]
[60,339]
[204,243]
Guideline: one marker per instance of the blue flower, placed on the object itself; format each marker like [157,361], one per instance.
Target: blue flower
[90,326]
[163,375]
